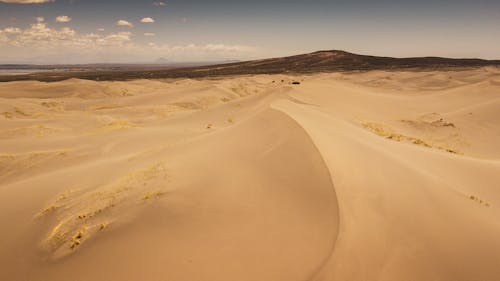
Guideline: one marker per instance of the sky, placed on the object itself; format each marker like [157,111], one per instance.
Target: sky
[142,31]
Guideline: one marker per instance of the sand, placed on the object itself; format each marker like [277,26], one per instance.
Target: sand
[356,176]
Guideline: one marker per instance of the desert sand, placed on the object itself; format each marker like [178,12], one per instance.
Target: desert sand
[379,175]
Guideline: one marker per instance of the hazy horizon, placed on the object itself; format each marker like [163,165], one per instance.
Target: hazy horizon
[88,31]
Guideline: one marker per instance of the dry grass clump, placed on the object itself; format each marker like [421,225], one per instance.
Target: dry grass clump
[6,159]
[102,107]
[21,112]
[117,92]
[188,105]
[53,106]
[120,124]
[18,112]
[147,174]
[8,115]
[76,239]
[117,124]
[29,131]
[379,130]
[479,201]
[49,209]
[435,123]
[153,195]
[80,214]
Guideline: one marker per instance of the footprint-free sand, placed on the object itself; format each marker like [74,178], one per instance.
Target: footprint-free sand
[380,175]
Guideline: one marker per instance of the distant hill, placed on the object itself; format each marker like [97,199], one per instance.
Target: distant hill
[327,61]
[321,61]
[162,61]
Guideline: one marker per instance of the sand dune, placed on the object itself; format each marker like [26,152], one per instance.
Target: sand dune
[379,175]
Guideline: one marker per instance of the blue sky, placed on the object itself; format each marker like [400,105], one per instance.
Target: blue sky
[203,30]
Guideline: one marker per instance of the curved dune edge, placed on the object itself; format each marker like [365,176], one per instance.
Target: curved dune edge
[403,216]
[270,203]
[250,179]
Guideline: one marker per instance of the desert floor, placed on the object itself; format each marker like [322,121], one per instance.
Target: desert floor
[356,176]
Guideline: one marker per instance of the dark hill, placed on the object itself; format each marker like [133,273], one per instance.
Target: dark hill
[322,61]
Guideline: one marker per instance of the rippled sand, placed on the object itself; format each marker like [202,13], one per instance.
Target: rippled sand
[356,176]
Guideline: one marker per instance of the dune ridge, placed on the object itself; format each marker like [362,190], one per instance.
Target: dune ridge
[378,175]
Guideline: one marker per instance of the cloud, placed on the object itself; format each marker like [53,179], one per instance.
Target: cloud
[149,34]
[100,29]
[63,19]
[147,20]
[39,36]
[124,23]
[202,52]
[41,43]
[159,4]
[40,19]
[26,1]
[12,30]
[7,33]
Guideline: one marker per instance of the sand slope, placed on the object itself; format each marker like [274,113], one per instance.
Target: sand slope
[363,176]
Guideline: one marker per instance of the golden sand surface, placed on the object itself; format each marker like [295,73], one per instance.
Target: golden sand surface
[379,175]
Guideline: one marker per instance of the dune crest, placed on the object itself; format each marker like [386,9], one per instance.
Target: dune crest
[377,175]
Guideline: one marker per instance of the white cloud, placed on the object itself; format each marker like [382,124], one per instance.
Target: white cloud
[159,4]
[147,20]
[39,36]
[227,48]
[7,33]
[149,34]
[124,23]
[26,1]
[12,30]
[41,43]
[115,39]
[202,52]
[100,29]
[63,19]
[40,19]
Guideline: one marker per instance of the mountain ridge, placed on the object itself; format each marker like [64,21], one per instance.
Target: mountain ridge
[316,62]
